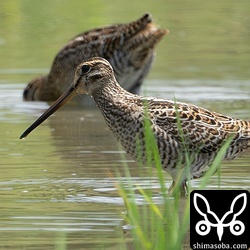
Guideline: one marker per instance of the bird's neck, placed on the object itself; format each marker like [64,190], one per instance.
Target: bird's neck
[108,92]
[112,97]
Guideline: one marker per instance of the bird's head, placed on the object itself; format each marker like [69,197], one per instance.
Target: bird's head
[91,77]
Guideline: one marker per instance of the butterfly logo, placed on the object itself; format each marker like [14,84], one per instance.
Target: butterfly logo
[203,227]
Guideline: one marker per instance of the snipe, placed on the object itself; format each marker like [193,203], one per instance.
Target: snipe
[130,48]
[203,131]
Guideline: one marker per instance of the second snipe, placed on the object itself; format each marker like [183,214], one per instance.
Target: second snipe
[130,48]
[177,127]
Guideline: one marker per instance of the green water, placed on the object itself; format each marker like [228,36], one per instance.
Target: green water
[58,187]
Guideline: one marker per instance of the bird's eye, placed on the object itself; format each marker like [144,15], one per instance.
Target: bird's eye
[85,68]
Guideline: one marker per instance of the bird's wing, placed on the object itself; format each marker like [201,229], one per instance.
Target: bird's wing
[199,128]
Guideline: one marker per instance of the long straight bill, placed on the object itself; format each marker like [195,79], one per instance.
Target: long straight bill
[64,98]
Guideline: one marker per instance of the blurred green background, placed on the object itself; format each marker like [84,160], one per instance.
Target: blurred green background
[208,39]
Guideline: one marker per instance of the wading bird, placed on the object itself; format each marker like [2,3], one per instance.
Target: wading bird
[130,48]
[177,127]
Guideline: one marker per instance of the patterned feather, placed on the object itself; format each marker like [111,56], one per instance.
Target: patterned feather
[128,47]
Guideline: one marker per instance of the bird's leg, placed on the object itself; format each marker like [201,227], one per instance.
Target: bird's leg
[181,189]
[184,189]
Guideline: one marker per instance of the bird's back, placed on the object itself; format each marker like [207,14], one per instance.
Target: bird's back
[119,44]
